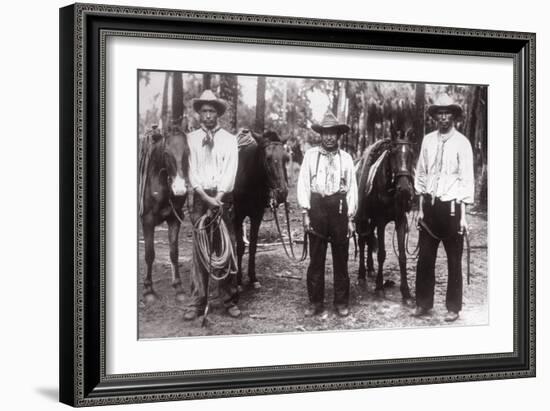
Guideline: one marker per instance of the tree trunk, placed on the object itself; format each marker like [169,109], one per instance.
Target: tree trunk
[177,99]
[418,124]
[335,91]
[229,91]
[164,107]
[206,81]
[259,124]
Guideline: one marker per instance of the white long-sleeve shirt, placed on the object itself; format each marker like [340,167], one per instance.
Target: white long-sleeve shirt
[216,167]
[456,180]
[313,178]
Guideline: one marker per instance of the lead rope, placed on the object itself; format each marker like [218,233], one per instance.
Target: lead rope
[290,255]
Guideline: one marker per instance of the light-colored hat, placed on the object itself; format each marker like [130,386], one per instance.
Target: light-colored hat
[208,97]
[330,122]
[445,101]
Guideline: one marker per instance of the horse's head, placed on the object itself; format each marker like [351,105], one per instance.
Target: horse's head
[275,159]
[175,158]
[401,163]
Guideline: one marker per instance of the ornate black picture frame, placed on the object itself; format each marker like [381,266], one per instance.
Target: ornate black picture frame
[83,32]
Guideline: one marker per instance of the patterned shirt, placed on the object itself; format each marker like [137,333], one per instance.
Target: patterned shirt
[327,174]
[445,167]
[213,167]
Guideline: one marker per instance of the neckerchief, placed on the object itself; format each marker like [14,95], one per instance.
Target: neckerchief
[208,139]
[331,172]
[438,163]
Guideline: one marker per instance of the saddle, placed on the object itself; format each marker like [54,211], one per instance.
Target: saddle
[152,136]
[367,167]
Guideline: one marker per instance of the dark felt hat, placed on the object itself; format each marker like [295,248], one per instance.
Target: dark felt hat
[330,122]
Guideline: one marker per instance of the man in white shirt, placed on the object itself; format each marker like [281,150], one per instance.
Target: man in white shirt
[327,194]
[445,181]
[213,159]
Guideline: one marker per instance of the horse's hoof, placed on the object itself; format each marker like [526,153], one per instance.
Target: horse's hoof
[362,282]
[256,285]
[379,293]
[408,302]
[389,284]
[370,273]
[150,297]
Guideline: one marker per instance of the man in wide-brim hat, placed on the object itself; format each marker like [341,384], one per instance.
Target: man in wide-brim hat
[327,194]
[208,97]
[444,179]
[213,159]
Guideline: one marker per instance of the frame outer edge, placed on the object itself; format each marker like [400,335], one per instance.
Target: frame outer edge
[67,221]
[72,193]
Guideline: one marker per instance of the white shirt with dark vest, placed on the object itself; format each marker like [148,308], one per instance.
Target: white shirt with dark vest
[326,174]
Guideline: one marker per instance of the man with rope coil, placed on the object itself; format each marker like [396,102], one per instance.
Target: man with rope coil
[327,194]
[445,182]
[213,159]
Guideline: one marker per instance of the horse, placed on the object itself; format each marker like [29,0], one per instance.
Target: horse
[261,181]
[386,193]
[164,170]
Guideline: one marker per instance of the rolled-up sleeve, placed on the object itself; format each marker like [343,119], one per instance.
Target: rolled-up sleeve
[304,184]
[466,173]
[229,166]
[194,173]
[351,195]
[420,174]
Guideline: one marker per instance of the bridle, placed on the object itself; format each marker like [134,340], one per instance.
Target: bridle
[271,177]
[403,170]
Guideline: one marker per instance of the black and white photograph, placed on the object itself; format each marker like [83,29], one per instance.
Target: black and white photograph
[271,204]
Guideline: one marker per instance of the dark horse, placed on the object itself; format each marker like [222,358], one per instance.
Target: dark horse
[261,180]
[163,191]
[389,198]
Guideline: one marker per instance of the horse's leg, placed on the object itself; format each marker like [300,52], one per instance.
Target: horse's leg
[173,233]
[149,238]
[401,226]
[371,248]
[361,239]
[361,276]
[252,246]
[240,247]
[381,228]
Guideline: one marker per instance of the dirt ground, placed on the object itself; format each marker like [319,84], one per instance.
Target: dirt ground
[278,306]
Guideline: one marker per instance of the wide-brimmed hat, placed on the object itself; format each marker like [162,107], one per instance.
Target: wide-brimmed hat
[208,97]
[446,102]
[330,122]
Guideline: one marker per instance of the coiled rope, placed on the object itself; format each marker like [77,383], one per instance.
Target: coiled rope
[219,263]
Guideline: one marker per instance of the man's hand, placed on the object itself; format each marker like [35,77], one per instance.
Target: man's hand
[419,218]
[463,225]
[212,202]
[351,228]
[306,222]
[420,215]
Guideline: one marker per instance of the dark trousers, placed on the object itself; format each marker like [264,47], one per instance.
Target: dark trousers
[329,219]
[223,292]
[446,227]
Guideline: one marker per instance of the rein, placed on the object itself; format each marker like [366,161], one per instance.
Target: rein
[290,254]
